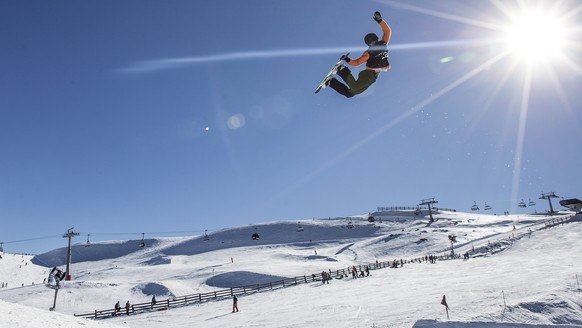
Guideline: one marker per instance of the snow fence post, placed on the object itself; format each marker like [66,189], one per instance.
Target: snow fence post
[305,279]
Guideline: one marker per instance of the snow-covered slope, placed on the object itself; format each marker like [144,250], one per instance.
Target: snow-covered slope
[525,262]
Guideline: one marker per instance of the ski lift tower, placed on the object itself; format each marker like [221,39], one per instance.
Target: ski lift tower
[429,202]
[69,234]
[549,196]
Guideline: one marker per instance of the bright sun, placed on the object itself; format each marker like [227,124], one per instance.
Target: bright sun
[535,36]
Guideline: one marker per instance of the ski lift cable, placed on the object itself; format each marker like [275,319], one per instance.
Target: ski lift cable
[103,234]
[31,239]
[147,233]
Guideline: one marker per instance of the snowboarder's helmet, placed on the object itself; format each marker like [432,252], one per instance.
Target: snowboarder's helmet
[370,38]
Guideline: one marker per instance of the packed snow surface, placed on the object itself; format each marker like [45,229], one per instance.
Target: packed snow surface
[522,271]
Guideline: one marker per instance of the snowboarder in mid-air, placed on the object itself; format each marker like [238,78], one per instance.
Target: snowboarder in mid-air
[375,58]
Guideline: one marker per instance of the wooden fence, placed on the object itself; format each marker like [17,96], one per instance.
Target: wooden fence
[181,301]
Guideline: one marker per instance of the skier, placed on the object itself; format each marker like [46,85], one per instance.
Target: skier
[376,59]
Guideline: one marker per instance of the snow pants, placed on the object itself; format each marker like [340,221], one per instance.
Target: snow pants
[354,87]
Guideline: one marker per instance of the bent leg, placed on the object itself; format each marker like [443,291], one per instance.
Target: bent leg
[346,75]
[365,79]
[340,88]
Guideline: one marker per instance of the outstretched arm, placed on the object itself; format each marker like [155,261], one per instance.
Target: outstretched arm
[359,61]
[386,30]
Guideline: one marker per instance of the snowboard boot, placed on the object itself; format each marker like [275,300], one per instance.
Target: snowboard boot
[343,72]
[326,82]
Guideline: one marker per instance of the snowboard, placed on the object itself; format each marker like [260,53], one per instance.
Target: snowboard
[332,71]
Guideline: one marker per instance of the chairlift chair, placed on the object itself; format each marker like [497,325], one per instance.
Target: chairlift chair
[255,236]
[474,207]
[487,207]
[522,204]
[417,212]
[532,203]
[299,227]
[88,243]
[1,247]
[350,225]
[206,237]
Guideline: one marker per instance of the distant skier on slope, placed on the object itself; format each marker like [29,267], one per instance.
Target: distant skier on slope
[375,57]
[234,304]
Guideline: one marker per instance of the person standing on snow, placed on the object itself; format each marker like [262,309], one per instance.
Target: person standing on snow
[375,58]
[234,304]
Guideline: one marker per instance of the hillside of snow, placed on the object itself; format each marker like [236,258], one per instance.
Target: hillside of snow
[522,272]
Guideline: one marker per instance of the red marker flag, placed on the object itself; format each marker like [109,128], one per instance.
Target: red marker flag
[444,302]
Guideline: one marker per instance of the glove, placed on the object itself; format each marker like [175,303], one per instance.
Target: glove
[345,58]
[377,17]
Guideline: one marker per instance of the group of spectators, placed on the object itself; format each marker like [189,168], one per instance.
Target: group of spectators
[363,273]
[118,308]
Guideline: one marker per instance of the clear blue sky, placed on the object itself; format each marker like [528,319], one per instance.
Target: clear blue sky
[180,116]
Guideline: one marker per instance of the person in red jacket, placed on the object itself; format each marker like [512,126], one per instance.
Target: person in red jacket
[375,58]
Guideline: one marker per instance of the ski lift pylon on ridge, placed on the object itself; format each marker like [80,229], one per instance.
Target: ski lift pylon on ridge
[142,242]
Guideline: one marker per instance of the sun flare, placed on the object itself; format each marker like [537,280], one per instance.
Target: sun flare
[535,36]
